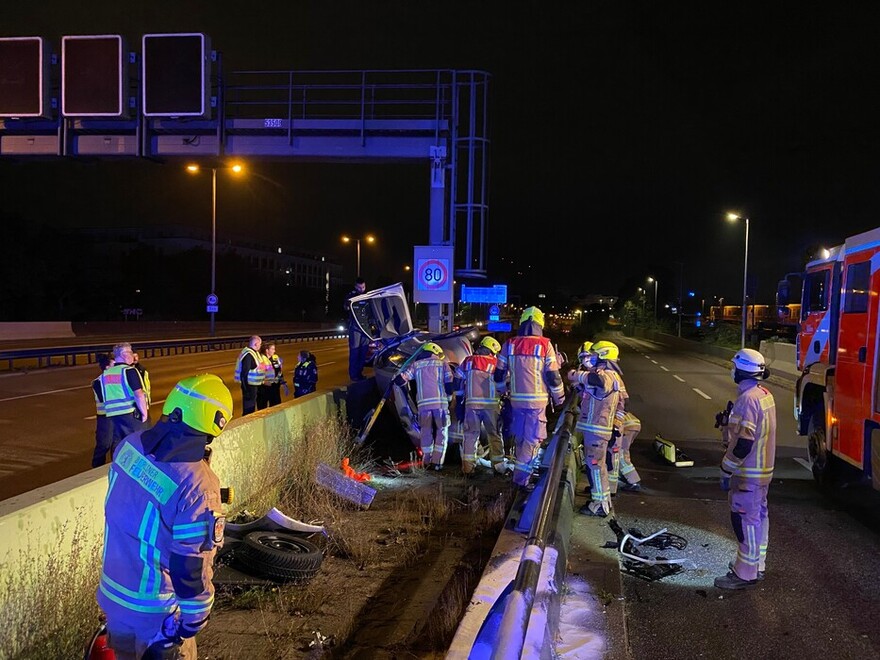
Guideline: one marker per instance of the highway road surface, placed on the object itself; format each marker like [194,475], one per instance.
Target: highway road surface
[47,416]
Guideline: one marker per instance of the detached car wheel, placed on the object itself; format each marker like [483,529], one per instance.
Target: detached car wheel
[280,557]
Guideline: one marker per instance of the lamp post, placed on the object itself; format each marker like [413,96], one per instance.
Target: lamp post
[733,217]
[656,284]
[194,169]
[368,238]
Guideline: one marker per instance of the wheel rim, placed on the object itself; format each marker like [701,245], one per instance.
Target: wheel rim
[280,544]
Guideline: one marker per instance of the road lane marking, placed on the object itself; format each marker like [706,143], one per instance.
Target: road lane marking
[664,368]
[28,396]
[804,463]
[702,394]
[654,361]
[678,378]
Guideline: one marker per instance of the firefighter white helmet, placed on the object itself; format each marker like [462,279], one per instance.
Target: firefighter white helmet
[749,361]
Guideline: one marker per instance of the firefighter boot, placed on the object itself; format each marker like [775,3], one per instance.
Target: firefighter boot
[760,573]
[597,509]
[733,581]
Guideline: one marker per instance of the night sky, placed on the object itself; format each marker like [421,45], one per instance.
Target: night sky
[621,134]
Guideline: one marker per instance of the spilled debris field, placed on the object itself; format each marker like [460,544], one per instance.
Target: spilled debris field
[396,575]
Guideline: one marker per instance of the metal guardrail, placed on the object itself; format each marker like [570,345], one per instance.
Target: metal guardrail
[87,353]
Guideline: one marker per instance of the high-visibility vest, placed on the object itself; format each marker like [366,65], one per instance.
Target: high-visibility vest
[265,365]
[118,396]
[254,376]
[99,405]
[145,382]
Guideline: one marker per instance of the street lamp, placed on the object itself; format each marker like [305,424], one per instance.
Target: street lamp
[656,284]
[368,238]
[733,217]
[194,169]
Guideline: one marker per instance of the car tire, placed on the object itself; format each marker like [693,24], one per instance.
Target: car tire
[279,557]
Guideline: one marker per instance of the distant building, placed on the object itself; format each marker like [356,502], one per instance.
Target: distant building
[297,267]
[592,299]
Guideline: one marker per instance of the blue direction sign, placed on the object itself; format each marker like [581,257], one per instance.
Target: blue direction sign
[499,326]
[494,313]
[484,294]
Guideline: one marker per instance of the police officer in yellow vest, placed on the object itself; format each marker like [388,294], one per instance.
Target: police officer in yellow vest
[123,394]
[249,372]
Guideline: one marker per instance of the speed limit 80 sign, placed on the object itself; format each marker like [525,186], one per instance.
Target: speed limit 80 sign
[433,274]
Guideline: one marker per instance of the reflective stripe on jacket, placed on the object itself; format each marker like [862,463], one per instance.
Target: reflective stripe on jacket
[599,402]
[254,376]
[530,360]
[118,397]
[154,510]
[752,418]
[476,373]
[431,375]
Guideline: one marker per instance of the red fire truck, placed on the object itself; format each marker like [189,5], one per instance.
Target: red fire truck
[837,398]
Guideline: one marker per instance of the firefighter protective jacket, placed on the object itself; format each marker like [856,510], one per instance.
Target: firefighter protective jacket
[750,435]
[163,523]
[433,377]
[599,401]
[255,374]
[534,370]
[474,379]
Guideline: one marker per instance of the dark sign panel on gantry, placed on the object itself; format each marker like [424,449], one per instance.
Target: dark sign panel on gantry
[94,77]
[176,75]
[24,77]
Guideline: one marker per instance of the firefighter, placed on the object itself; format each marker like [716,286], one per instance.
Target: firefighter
[249,372]
[749,439]
[623,474]
[477,403]
[164,521]
[433,377]
[533,369]
[601,383]
[123,394]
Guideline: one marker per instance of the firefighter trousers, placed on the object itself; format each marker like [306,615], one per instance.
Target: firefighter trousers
[476,419]
[595,450]
[434,435]
[528,428]
[129,639]
[751,525]
[620,466]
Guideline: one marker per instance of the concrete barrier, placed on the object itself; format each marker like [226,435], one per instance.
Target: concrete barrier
[47,524]
[780,357]
[11,330]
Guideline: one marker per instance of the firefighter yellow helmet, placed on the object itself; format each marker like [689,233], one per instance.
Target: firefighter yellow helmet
[606,350]
[491,343]
[201,402]
[585,348]
[532,314]
[431,347]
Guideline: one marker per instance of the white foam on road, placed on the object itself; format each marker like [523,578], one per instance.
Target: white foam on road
[580,614]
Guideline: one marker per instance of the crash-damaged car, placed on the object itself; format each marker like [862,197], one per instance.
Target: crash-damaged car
[383,316]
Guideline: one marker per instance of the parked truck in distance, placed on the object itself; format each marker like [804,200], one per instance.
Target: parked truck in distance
[837,398]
